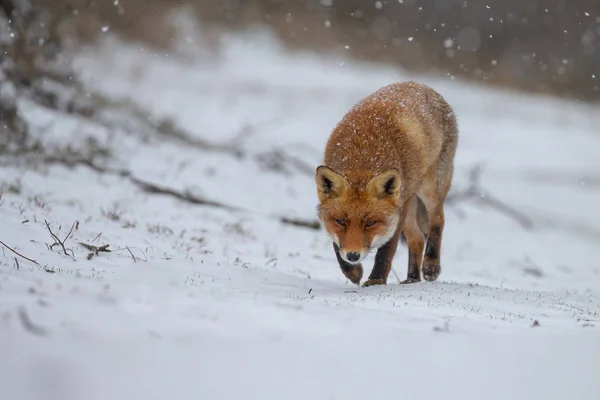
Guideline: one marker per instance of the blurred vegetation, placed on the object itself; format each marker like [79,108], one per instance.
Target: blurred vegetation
[548,46]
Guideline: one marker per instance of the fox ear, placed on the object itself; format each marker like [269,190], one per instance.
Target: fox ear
[330,184]
[385,185]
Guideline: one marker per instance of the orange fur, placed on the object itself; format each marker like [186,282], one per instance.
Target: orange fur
[396,144]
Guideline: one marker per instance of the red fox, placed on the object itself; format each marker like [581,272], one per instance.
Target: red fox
[387,169]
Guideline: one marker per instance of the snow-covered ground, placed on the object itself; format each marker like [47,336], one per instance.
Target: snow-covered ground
[202,302]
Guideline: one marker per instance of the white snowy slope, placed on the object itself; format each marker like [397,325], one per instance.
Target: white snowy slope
[201,302]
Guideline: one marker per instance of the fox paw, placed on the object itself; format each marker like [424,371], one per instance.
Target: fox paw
[431,270]
[354,274]
[372,282]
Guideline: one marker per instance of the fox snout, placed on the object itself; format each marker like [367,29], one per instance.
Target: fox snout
[353,257]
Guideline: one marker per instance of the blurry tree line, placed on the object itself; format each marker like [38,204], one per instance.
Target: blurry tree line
[550,46]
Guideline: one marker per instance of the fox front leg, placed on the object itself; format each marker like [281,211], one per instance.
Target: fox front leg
[383,262]
[353,272]
[385,255]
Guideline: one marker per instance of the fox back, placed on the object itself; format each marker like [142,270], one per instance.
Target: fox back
[403,126]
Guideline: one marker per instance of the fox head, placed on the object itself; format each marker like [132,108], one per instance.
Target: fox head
[359,217]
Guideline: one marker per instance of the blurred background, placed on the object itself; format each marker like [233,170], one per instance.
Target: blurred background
[544,46]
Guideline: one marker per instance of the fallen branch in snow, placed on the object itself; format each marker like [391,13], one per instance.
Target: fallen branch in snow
[475,193]
[152,188]
[279,160]
[314,224]
[148,187]
[20,255]
[95,250]
[192,199]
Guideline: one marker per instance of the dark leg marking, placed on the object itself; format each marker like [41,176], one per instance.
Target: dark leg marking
[383,261]
[353,272]
[432,251]
[431,263]
[414,236]
[413,275]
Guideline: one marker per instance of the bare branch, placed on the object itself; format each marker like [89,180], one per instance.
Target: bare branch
[475,193]
[311,224]
[152,188]
[132,256]
[71,231]
[57,241]
[20,255]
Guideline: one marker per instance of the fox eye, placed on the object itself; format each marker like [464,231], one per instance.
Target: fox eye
[340,222]
[370,224]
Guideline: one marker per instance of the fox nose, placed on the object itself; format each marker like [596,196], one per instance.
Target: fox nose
[353,256]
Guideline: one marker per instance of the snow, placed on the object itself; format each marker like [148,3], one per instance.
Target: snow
[221,304]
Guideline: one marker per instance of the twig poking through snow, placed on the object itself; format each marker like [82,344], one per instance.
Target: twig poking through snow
[76,223]
[20,255]
[132,256]
[129,249]
[141,251]
[57,241]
